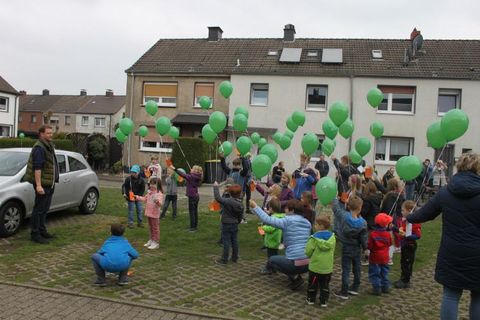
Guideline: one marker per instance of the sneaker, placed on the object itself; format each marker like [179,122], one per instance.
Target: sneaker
[40,239]
[153,245]
[47,235]
[192,229]
[353,292]
[244,221]
[140,225]
[130,225]
[265,271]
[310,302]
[385,290]
[376,292]
[323,305]
[341,295]
[390,262]
[221,262]
[401,285]
[397,250]
[281,246]
[122,282]
[100,283]
[148,243]
[365,263]
[297,283]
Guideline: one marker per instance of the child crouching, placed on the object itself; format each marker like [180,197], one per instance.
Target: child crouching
[379,242]
[320,249]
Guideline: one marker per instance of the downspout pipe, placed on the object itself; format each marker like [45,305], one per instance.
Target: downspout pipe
[132,75]
[351,108]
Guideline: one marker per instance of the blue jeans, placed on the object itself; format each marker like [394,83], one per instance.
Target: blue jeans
[378,275]
[229,238]
[286,266]
[409,191]
[451,297]
[351,261]
[122,275]
[131,207]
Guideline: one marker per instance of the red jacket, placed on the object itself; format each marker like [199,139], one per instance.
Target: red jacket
[416,232]
[379,240]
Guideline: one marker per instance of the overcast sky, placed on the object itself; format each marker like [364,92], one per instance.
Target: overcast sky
[68,45]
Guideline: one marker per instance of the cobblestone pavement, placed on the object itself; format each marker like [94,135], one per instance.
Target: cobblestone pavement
[233,290]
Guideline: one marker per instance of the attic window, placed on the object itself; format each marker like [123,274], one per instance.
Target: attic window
[272,52]
[377,54]
[312,53]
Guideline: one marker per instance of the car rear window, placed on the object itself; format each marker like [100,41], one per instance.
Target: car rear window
[12,162]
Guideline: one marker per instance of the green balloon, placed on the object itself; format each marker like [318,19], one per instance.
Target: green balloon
[277,136]
[299,118]
[310,143]
[328,146]
[270,151]
[330,129]
[217,121]
[142,131]
[408,167]
[163,125]
[204,102]
[326,189]
[151,107]
[355,158]
[435,136]
[120,136]
[346,129]
[21,135]
[374,97]
[244,144]
[291,125]
[454,124]
[241,110]
[362,146]
[126,126]
[240,122]
[261,165]
[226,148]
[174,132]
[285,142]
[261,143]
[208,134]
[376,129]
[338,113]
[255,137]
[289,134]
[226,89]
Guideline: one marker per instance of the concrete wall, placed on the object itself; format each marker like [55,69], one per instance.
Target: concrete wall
[9,117]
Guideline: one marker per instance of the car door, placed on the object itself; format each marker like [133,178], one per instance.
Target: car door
[62,197]
[81,176]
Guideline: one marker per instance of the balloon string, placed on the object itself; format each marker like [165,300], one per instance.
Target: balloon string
[183,153]
[396,200]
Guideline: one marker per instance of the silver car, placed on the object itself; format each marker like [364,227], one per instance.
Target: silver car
[77,187]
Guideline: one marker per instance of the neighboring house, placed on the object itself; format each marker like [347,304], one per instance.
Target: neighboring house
[275,77]
[8,109]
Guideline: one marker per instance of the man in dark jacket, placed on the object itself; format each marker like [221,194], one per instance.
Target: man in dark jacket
[232,210]
[42,172]
[134,186]
[458,259]
[322,166]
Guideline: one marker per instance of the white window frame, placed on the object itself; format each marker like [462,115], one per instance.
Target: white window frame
[388,144]
[196,98]
[312,107]
[4,107]
[450,92]
[9,130]
[82,123]
[389,102]
[158,147]
[258,87]
[161,101]
[99,125]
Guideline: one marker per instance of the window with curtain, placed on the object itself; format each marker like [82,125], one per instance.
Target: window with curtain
[397,99]
[392,149]
[165,94]
[203,89]
[316,97]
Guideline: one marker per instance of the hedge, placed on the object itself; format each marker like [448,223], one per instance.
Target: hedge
[196,150]
[61,144]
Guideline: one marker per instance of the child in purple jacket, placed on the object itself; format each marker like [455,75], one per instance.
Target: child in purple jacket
[193,181]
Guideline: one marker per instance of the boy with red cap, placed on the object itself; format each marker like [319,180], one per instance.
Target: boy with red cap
[379,241]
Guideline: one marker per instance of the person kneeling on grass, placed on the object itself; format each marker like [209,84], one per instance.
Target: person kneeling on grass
[115,255]
[296,231]
[232,211]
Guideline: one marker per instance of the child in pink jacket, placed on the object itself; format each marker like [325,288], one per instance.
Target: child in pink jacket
[153,203]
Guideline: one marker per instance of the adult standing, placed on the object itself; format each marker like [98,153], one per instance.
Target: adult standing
[458,259]
[277,172]
[42,173]
[322,166]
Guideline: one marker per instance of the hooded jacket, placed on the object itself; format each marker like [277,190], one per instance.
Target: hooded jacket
[349,230]
[303,183]
[458,259]
[232,208]
[379,241]
[273,236]
[117,254]
[320,249]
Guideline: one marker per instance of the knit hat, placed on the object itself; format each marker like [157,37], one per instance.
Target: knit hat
[135,169]
[383,220]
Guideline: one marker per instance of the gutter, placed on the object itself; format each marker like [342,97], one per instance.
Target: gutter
[15,118]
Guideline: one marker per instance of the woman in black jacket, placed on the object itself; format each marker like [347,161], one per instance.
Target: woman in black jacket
[458,260]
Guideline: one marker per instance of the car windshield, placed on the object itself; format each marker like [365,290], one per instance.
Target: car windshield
[12,162]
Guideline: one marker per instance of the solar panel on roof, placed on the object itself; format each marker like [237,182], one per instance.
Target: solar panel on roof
[291,55]
[332,56]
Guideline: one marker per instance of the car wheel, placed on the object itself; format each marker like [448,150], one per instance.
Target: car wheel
[11,216]
[89,202]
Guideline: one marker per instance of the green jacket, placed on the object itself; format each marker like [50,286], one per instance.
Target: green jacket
[273,236]
[48,176]
[320,249]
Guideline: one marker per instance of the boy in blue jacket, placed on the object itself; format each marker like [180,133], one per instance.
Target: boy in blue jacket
[305,177]
[352,233]
[115,255]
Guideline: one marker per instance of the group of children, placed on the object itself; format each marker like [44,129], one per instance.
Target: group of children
[350,227]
